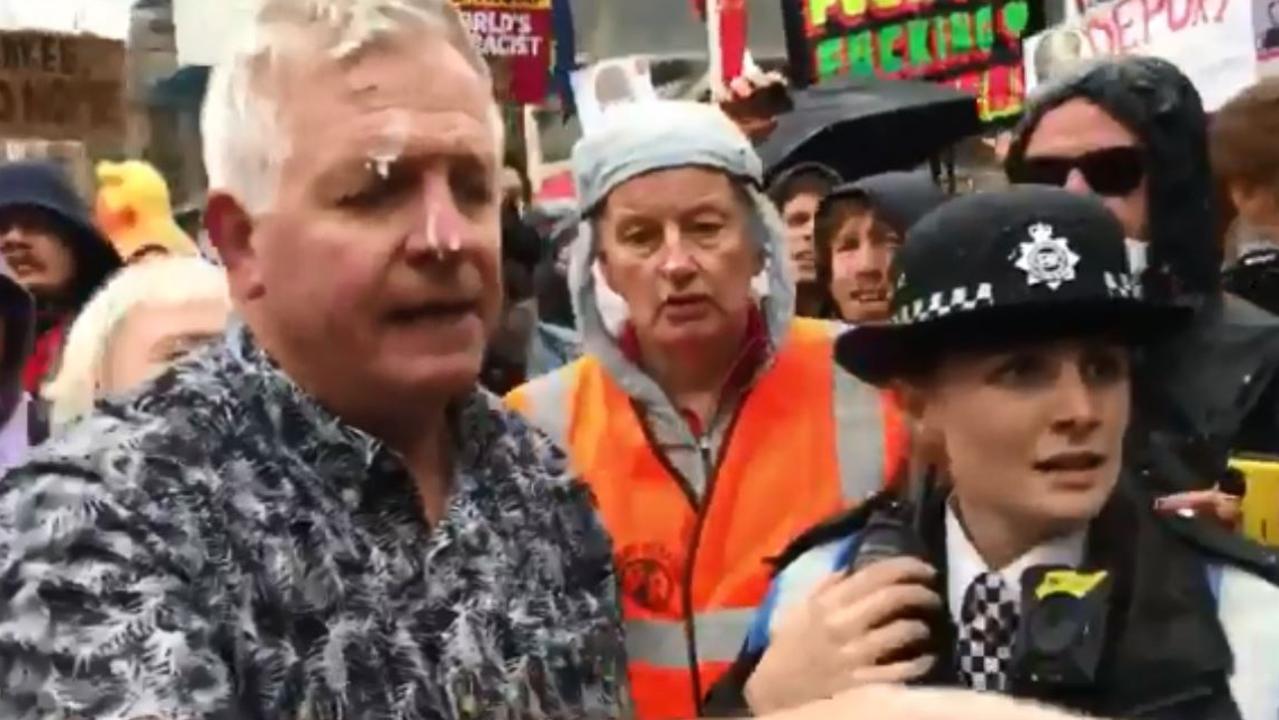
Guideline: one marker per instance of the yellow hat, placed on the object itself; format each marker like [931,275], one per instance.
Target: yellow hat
[134,211]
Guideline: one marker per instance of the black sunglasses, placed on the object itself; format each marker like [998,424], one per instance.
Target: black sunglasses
[1113,172]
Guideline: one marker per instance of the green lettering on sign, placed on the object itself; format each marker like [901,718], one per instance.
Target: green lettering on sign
[1016,17]
[961,33]
[830,57]
[985,29]
[861,53]
[941,31]
[888,60]
[918,53]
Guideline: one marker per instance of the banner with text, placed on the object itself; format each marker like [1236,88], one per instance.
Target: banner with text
[1211,41]
[974,45]
[61,87]
[515,37]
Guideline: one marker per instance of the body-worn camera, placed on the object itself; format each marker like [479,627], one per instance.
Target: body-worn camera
[1063,626]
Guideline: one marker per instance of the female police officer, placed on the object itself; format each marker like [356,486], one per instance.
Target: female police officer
[1014,315]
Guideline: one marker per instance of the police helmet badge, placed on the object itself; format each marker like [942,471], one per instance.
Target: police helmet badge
[1047,259]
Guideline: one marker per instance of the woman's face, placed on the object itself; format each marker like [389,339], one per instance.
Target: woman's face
[1032,435]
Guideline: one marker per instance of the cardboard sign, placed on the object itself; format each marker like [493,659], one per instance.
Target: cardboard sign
[61,87]
[973,45]
[515,36]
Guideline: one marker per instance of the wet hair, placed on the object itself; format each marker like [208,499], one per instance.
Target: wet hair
[1242,137]
[1159,105]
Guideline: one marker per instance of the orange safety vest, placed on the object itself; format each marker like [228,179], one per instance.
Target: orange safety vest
[691,573]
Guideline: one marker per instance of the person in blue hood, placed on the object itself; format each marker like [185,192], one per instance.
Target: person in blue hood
[1133,132]
[48,238]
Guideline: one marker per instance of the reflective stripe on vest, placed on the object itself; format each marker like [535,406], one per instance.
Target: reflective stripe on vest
[797,454]
[664,643]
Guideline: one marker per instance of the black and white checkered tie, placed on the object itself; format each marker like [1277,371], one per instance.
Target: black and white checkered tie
[988,626]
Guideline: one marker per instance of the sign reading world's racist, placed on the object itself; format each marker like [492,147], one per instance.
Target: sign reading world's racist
[515,37]
[974,45]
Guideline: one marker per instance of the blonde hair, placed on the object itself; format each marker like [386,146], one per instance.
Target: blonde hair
[159,281]
[243,147]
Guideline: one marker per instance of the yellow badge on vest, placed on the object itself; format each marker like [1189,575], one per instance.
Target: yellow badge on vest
[1069,582]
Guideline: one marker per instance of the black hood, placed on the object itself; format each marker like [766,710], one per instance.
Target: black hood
[900,198]
[1159,105]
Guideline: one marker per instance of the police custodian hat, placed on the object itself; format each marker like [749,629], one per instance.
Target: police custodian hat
[995,269]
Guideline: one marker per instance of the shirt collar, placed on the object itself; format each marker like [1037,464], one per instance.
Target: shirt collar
[340,453]
[753,354]
[964,563]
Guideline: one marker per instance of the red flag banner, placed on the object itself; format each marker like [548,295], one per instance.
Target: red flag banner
[515,37]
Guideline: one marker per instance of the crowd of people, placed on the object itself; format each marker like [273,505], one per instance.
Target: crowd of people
[712,439]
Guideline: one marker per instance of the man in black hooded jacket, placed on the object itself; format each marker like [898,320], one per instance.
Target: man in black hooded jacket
[1134,132]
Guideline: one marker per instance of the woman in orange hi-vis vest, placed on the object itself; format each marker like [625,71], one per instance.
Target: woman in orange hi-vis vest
[711,425]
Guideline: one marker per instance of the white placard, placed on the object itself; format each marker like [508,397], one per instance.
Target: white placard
[1212,41]
[205,28]
[610,83]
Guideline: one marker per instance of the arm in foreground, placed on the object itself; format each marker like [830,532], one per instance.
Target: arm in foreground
[897,702]
[97,615]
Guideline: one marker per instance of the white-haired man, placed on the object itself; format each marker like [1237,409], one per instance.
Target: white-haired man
[322,517]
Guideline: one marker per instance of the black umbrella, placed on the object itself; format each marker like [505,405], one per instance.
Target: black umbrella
[865,126]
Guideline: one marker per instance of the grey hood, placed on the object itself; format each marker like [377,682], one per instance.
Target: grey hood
[638,139]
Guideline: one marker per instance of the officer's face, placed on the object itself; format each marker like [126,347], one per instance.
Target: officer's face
[1032,437]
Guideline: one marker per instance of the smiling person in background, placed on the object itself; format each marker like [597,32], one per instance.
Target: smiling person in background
[858,228]
[49,240]
[146,317]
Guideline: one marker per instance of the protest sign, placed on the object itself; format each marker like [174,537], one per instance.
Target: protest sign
[1211,41]
[1265,23]
[61,87]
[610,83]
[515,37]
[973,45]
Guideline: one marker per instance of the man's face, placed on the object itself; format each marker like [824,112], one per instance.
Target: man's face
[1105,160]
[32,243]
[861,252]
[1032,437]
[797,217]
[674,245]
[376,274]
[153,336]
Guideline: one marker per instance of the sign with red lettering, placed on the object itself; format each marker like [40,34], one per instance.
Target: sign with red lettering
[974,45]
[61,87]
[515,37]
[1211,41]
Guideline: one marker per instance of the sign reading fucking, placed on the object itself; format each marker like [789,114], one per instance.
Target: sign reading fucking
[972,44]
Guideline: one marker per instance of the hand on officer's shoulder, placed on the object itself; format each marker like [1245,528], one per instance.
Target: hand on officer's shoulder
[851,629]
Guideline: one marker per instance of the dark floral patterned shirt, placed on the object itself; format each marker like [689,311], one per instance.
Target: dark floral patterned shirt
[219,546]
